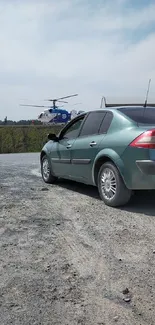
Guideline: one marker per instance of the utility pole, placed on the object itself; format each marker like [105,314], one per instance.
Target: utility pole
[5,120]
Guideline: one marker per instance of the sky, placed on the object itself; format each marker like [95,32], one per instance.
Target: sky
[54,48]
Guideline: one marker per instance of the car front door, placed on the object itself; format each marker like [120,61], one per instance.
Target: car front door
[61,151]
[87,144]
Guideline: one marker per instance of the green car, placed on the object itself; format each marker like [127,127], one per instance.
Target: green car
[113,149]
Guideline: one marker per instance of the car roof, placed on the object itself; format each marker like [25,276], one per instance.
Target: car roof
[125,107]
[133,106]
[115,108]
[112,108]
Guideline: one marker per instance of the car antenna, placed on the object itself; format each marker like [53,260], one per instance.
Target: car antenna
[147,93]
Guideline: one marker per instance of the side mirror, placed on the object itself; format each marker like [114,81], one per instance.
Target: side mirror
[52,136]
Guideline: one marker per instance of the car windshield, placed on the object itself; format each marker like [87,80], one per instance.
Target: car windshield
[140,115]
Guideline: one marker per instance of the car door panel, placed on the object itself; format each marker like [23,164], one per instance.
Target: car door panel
[83,153]
[60,154]
[62,161]
[86,147]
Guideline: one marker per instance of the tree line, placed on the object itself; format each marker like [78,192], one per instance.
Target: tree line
[20,122]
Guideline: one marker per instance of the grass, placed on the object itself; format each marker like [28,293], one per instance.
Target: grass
[19,139]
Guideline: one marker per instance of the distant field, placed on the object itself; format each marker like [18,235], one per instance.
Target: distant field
[18,139]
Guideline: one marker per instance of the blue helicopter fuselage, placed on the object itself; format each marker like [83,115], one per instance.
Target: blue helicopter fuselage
[57,115]
[60,116]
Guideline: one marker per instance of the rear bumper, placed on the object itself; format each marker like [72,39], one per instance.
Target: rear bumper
[146,167]
[139,169]
[140,175]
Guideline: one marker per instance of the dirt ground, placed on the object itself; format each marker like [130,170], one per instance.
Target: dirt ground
[66,258]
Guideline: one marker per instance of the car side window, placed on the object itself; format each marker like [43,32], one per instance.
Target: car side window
[106,123]
[92,123]
[73,130]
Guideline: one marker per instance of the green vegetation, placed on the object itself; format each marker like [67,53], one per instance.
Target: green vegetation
[21,122]
[19,139]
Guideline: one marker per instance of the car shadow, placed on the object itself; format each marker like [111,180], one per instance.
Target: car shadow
[80,188]
[141,202]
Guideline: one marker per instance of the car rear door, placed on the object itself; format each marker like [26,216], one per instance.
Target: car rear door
[86,146]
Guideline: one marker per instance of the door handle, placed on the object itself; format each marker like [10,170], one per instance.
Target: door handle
[92,144]
[69,146]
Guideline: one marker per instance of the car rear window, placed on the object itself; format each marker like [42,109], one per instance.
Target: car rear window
[141,115]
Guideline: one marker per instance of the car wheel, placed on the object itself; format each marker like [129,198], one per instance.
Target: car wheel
[111,186]
[46,172]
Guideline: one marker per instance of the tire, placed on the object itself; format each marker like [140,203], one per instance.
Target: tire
[120,194]
[46,172]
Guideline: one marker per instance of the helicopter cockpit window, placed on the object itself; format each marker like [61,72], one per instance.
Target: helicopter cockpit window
[73,130]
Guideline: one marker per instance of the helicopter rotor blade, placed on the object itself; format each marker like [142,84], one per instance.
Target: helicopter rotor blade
[75,104]
[56,99]
[62,101]
[68,96]
[34,105]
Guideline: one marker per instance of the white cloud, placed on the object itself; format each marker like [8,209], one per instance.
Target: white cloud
[130,20]
[51,48]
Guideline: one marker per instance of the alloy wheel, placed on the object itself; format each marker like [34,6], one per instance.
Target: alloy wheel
[45,169]
[108,184]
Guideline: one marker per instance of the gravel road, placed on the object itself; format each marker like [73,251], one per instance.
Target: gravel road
[66,258]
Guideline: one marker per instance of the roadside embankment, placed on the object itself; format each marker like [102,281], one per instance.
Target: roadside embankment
[19,139]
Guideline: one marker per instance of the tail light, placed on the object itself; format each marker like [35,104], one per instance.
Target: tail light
[145,140]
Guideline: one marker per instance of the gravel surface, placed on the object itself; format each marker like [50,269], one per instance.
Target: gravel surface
[66,258]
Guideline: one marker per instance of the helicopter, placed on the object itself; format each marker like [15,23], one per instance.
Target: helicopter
[54,114]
